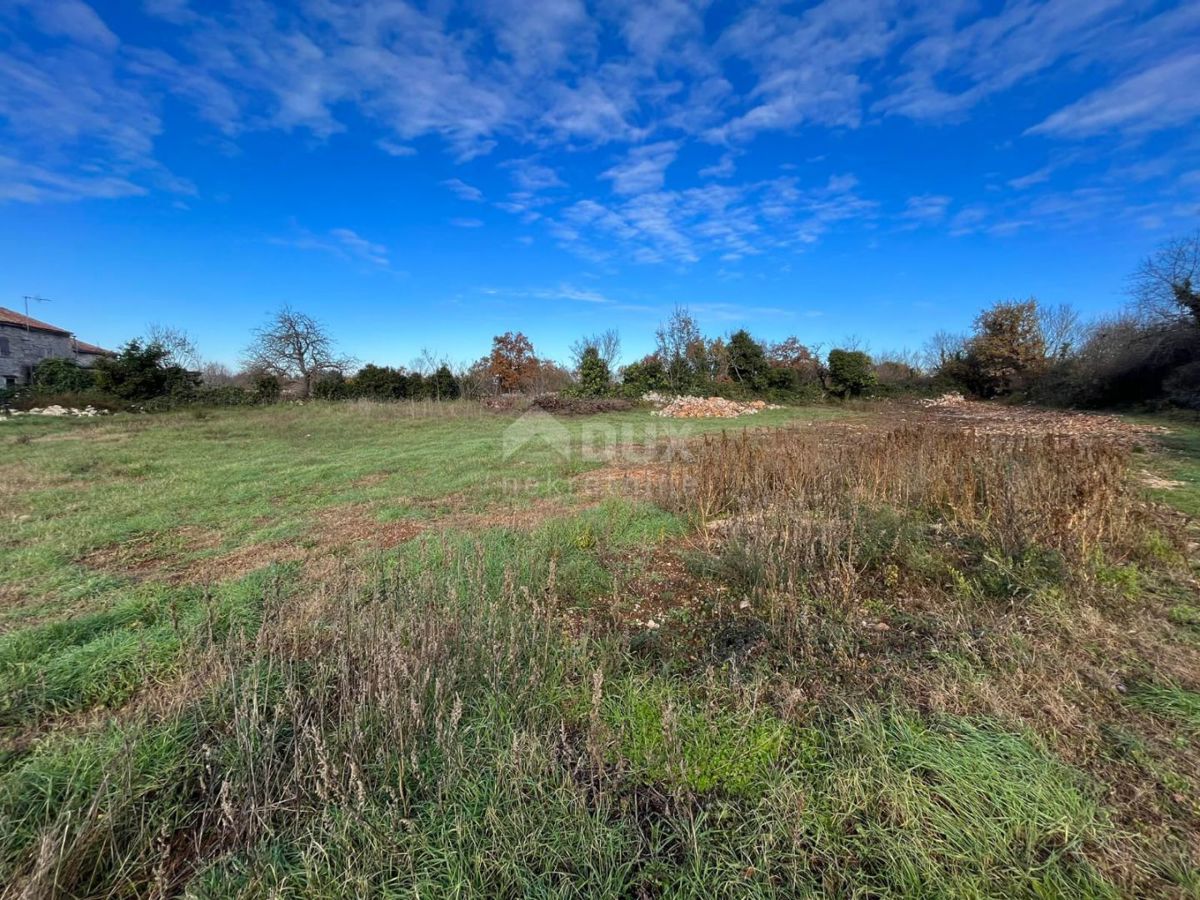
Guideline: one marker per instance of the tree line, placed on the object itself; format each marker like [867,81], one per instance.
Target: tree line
[1149,352]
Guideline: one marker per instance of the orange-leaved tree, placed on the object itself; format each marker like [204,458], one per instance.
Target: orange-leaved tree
[513,363]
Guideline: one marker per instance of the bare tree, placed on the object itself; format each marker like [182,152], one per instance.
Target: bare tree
[1167,285]
[606,343]
[1062,330]
[942,348]
[296,346]
[475,379]
[898,365]
[215,374]
[181,349]
[428,362]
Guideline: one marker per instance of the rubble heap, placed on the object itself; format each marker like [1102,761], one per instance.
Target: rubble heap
[951,399]
[710,408]
[56,411]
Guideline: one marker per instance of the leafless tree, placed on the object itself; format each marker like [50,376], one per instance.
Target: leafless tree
[1062,330]
[295,346]
[897,365]
[428,362]
[181,349]
[1167,285]
[607,344]
[215,374]
[475,379]
[942,348]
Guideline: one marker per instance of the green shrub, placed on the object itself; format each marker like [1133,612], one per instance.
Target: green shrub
[140,372]
[647,375]
[594,376]
[267,388]
[850,372]
[225,395]
[331,386]
[62,376]
[374,382]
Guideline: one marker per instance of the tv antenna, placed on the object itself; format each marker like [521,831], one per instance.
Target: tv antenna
[35,299]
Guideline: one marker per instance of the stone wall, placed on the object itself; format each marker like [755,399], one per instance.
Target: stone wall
[20,350]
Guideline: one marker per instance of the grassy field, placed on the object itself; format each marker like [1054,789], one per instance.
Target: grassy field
[333,650]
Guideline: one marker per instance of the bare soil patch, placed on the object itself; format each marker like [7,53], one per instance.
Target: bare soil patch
[984,417]
[1158,483]
[173,557]
[620,480]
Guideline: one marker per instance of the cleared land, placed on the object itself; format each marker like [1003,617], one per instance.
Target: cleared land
[389,650]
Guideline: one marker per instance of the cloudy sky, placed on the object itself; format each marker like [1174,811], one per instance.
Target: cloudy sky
[429,174]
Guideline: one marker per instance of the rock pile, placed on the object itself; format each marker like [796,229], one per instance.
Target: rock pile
[710,408]
[951,399]
[57,411]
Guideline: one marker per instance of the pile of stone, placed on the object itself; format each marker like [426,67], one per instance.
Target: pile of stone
[710,408]
[951,399]
[56,411]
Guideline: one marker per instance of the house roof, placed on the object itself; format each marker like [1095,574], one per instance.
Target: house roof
[12,317]
[85,347]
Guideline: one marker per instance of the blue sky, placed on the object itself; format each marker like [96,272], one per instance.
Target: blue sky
[431,174]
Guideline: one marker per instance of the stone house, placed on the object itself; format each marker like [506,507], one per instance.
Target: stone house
[24,342]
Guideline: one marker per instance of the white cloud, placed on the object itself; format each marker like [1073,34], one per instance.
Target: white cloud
[733,221]
[462,190]
[1039,176]
[953,67]
[70,19]
[807,65]
[360,247]
[71,126]
[29,183]
[723,168]
[636,83]
[177,12]
[644,169]
[391,148]
[466,223]
[926,209]
[532,176]
[343,243]
[563,291]
[737,312]
[1162,96]
[570,292]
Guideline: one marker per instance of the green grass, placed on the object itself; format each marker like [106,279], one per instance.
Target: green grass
[882,805]
[1170,702]
[1179,463]
[953,808]
[249,476]
[103,659]
[665,737]
[466,713]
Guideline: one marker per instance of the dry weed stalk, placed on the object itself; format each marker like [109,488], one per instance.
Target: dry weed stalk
[1016,492]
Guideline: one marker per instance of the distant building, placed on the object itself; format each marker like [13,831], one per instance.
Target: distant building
[24,342]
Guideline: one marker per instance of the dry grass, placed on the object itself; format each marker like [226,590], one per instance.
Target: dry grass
[1016,493]
[846,661]
[1021,578]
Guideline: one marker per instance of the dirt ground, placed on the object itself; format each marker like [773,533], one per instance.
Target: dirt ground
[1028,421]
